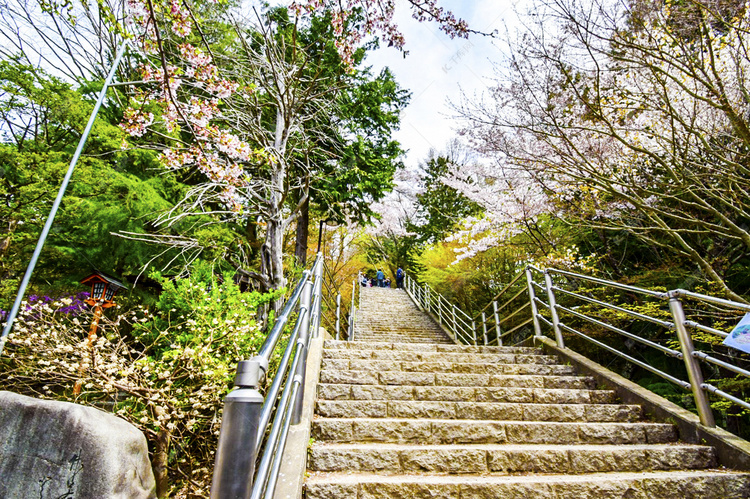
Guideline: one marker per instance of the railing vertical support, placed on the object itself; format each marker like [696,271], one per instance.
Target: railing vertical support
[317,302]
[338,316]
[304,333]
[553,310]
[474,332]
[352,311]
[440,309]
[497,324]
[455,325]
[235,455]
[691,363]
[484,328]
[532,300]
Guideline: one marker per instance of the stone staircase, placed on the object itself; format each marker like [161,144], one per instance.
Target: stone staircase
[410,419]
[388,315]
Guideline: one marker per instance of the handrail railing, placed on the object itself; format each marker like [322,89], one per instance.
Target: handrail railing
[580,313]
[245,434]
[354,306]
[483,328]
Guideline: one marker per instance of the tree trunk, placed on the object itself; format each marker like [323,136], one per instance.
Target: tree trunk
[253,241]
[161,462]
[303,234]
[272,257]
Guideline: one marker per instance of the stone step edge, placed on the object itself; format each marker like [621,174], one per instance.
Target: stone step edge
[319,419]
[383,378]
[322,444]
[506,459]
[453,348]
[413,363]
[550,391]
[438,479]
[436,406]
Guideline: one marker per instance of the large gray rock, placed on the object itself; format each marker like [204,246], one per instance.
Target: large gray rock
[51,449]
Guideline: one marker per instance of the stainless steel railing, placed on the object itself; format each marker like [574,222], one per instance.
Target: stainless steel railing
[353,307]
[460,326]
[246,438]
[569,305]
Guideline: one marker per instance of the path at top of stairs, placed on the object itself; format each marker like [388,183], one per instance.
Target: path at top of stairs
[388,315]
[436,420]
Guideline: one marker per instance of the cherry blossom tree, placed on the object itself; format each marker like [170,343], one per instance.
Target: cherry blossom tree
[631,116]
[378,19]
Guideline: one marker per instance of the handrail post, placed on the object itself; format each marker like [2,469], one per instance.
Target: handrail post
[338,316]
[474,332]
[484,327]
[532,300]
[427,297]
[497,324]
[350,333]
[317,301]
[234,466]
[440,309]
[691,363]
[304,334]
[455,326]
[553,309]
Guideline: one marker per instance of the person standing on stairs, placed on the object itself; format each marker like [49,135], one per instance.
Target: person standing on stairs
[399,278]
[380,277]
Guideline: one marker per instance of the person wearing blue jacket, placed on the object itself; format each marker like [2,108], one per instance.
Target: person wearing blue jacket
[400,278]
[380,277]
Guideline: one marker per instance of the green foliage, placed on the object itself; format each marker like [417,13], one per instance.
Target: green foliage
[198,308]
[470,283]
[165,371]
[391,251]
[441,208]
[111,190]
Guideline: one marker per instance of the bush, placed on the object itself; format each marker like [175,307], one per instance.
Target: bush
[165,371]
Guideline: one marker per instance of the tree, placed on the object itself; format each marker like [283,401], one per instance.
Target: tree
[296,122]
[41,119]
[361,157]
[378,18]
[633,125]
[441,208]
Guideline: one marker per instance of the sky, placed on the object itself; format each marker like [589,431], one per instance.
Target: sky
[438,70]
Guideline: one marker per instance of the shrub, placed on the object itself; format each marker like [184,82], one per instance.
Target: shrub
[165,371]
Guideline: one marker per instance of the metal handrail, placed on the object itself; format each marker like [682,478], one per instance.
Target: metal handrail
[611,284]
[247,414]
[555,317]
[501,293]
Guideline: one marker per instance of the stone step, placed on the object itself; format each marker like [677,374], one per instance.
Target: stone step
[704,484]
[454,379]
[467,431]
[411,339]
[452,348]
[399,333]
[509,458]
[464,394]
[415,354]
[394,336]
[446,367]
[406,325]
[603,413]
